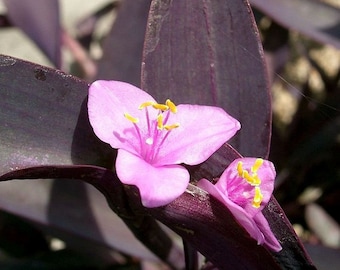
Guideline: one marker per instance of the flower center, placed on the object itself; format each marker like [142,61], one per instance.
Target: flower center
[252,179]
[152,137]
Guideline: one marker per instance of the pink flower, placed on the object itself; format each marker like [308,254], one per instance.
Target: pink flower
[245,187]
[153,139]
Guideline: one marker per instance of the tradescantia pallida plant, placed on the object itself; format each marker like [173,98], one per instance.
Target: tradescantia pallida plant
[239,225]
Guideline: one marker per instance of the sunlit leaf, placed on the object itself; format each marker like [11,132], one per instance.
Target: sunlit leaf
[209,52]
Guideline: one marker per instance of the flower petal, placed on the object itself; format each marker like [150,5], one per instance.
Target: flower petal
[270,240]
[230,180]
[238,212]
[202,130]
[108,101]
[158,186]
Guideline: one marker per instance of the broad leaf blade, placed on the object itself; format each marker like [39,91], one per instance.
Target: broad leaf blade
[203,226]
[44,117]
[197,217]
[143,226]
[209,52]
[43,121]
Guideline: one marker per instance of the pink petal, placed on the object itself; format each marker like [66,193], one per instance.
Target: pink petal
[107,103]
[238,212]
[158,186]
[202,130]
[270,240]
[230,179]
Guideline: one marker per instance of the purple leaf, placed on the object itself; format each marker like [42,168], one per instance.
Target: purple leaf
[39,19]
[144,227]
[38,102]
[312,18]
[44,121]
[209,52]
[195,221]
[200,219]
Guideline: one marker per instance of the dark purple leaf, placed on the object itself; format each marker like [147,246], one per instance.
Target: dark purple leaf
[44,121]
[200,219]
[124,44]
[204,225]
[39,19]
[143,226]
[26,241]
[209,52]
[312,18]
[44,118]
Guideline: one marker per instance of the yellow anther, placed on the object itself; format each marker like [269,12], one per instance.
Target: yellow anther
[160,122]
[239,168]
[170,127]
[257,198]
[253,180]
[161,107]
[131,118]
[171,105]
[246,176]
[258,163]
[145,104]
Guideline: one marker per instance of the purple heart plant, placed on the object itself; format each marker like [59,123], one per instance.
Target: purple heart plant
[154,139]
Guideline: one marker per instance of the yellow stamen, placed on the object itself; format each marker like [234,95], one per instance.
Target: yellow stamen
[170,127]
[258,163]
[239,168]
[131,118]
[249,178]
[257,198]
[257,180]
[253,180]
[160,122]
[161,107]
[145,104]
[171,105]
[246,175]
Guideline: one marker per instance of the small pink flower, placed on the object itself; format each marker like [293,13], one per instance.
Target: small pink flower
[153,138]
[245,187]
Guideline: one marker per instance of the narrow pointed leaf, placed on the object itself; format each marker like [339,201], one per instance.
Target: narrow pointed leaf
[209,52]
